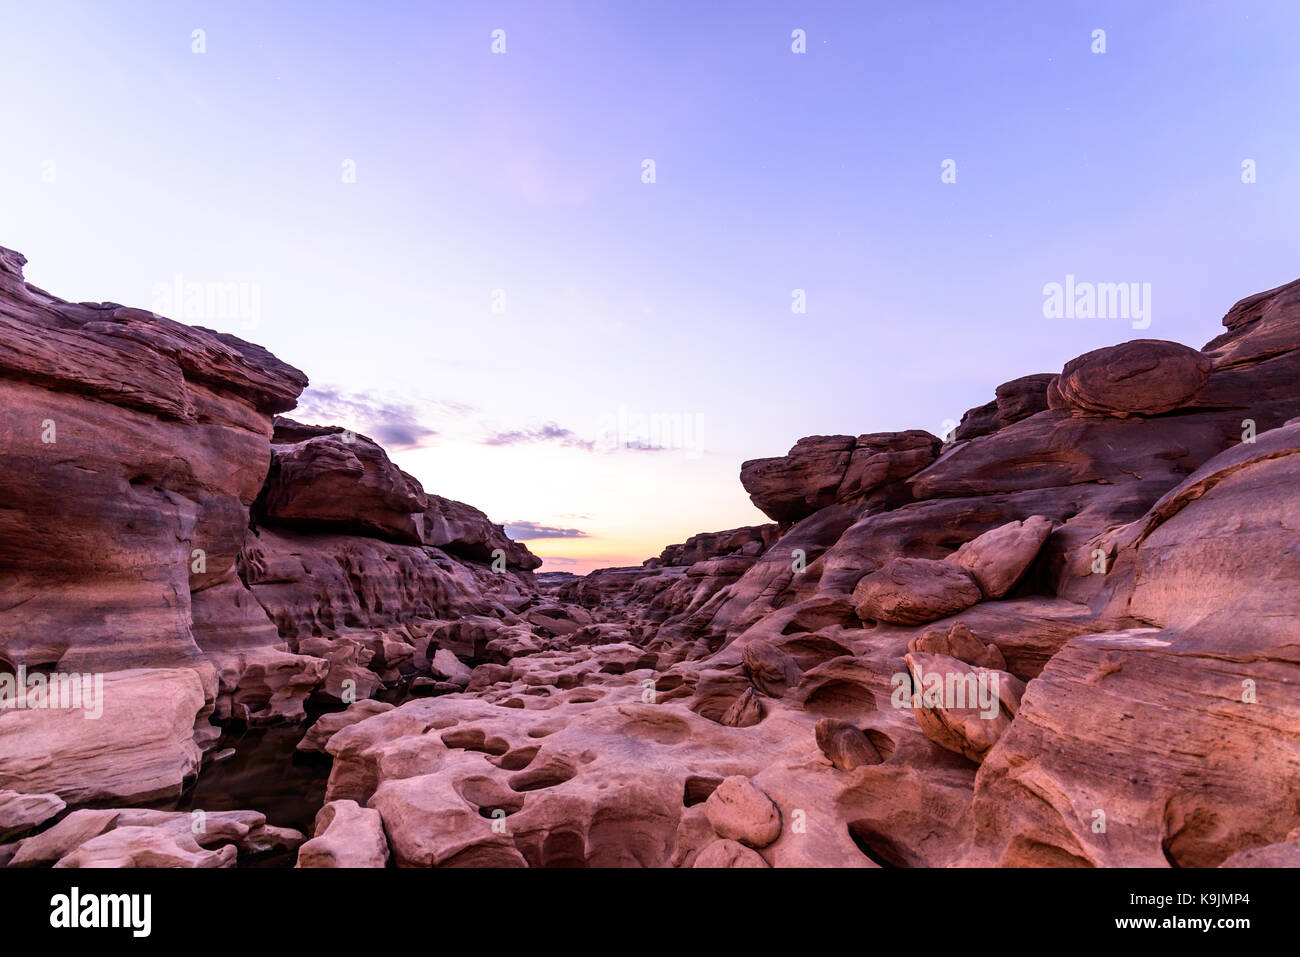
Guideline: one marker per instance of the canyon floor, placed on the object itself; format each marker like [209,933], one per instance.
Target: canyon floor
[1065,635]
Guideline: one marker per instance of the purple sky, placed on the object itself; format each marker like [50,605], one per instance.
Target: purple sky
[501,298]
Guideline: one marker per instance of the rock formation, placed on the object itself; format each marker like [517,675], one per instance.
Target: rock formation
[1064,637]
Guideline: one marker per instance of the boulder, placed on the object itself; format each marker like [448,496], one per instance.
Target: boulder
[1139,377]
[22,812]
[728,854]
[962,708]
[958,641]
[844,745]
[740,811]
[346,835]
[998,558]
[913,591]
[341,482]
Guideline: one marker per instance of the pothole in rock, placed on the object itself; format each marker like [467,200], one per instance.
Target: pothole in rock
[839,698]
[882,742]
[662,728]
[475,739]
[698,789]
[518,759]
[489,795]
[553,772]
[880,848]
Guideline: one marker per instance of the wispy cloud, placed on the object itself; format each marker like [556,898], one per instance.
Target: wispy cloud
[523,531]
[550,432]
[394,424]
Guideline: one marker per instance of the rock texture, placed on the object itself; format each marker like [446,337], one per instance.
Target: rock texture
[1065,637]
[912,591]
[1142,377]
[167,534]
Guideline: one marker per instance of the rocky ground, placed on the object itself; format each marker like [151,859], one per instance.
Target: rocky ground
[1105,559]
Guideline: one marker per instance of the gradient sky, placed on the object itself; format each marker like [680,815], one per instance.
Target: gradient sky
[775,171]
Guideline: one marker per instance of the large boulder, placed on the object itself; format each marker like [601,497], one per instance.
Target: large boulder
[962,708]
[913,591]
[998,558]
[881,458]
[1140,377]
[740,811]
[341,482]
[132,741]
[22,812]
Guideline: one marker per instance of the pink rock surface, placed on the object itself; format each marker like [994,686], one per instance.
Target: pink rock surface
[1100,549]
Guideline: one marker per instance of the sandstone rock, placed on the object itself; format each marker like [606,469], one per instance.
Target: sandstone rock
[450,668]
[346,835]
[795,485]
[139,837]
[348,673]
[463,530]
[313,584]
[135,446]
[341,482]
[1016,400]
[913,591]
[960,707]
[147,847]
[1140,377]
[728,854]
[247,831]
[744,712]
[998,558]
[327,725]
[844,745]
[958,641]
[42,850]
[880,458]
[740,811]
[265,685]
[22,812]
[750,539]
[821,470]
[661,715]
[140,748]
[1260,328]
[1282,854]
[1204,560]
[772,671]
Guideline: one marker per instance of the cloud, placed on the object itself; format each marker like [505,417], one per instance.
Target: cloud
[556,560]
[393,424]
[523,531]
[550,432]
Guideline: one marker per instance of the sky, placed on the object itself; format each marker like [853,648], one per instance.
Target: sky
[578,279]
